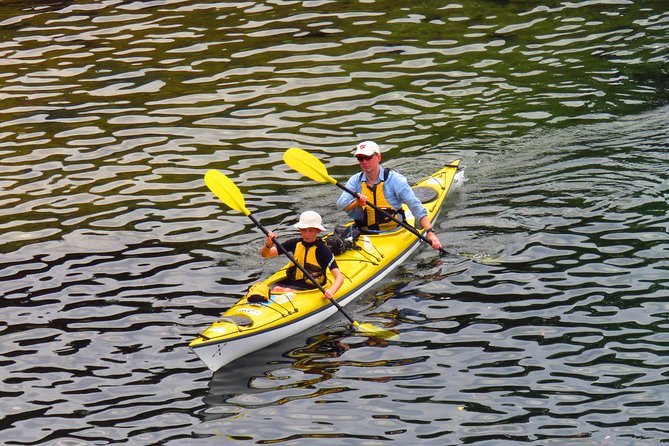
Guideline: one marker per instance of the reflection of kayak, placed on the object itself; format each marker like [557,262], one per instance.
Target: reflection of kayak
[247,327]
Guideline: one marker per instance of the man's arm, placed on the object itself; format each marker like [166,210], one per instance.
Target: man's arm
[348,202]
[405,194]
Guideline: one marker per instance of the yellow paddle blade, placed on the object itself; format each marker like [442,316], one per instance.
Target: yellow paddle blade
[373,330]
[226,190]
[308,165]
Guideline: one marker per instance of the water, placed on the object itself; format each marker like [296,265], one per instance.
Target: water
[547,325]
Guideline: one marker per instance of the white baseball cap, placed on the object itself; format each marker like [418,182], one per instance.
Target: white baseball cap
[367,148]
[310,219]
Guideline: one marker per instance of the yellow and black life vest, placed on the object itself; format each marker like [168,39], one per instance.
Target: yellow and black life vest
[306,256]
[373,219]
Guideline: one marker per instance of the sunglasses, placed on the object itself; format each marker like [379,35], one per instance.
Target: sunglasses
[364,158]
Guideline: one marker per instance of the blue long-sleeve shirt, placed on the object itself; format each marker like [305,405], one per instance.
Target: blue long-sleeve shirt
[396,189]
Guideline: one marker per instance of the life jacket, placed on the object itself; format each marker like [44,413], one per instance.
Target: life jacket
[374,220]
[306,256]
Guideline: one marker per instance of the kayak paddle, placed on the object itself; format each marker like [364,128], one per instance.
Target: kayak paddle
[229,193]
[311,167]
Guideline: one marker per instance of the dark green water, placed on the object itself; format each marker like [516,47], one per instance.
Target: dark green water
[548,325]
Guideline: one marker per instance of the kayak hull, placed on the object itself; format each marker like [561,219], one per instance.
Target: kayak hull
[247,327]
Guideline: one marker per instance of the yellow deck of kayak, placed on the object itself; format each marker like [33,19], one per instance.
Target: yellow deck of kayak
[372,258]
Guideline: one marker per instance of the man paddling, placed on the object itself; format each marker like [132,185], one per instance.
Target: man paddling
[311,252]
[387,190]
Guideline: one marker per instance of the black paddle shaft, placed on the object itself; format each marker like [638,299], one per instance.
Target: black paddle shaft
[306,273]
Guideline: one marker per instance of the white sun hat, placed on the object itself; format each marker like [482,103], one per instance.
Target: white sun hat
[310,219]
[367,148]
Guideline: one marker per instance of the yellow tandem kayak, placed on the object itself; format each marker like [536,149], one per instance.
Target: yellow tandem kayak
[247,326]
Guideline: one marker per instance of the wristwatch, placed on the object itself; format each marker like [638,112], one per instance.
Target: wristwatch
[430,230]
